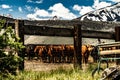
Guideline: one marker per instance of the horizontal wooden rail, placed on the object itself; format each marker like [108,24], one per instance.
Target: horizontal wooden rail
[111,44]
[110,52]
[64,32]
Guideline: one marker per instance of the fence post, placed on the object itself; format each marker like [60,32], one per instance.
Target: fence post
[117,38]
[19,31]
[77,46]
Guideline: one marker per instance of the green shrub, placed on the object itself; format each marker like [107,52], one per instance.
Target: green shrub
[9,49]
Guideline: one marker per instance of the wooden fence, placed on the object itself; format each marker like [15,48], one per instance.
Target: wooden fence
[23,27]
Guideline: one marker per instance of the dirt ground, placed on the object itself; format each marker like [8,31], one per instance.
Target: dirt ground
[33,65]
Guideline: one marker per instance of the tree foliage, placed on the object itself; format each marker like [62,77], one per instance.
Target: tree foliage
[9,49]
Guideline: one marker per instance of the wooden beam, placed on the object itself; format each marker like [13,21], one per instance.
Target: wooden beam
[65,32]
[47,31]
[98,34]
[110,52]
[69,23]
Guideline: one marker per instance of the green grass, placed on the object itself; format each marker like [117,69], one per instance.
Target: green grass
[59,74]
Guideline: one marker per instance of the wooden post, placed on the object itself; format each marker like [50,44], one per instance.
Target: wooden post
[77,46]
[117,38]
[16,28]
[117,33]
[19,30]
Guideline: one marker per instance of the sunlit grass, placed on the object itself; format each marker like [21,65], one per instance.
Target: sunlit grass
[59,74]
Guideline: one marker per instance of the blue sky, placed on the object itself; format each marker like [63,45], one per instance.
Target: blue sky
[46,9]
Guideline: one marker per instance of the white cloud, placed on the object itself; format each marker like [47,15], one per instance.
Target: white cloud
[38,14]
[32,16]
[97,4]
[29,8]
[20,9]
[56,10]
[10,9]
[61,11]
[85,9]
[5,6]
[37,1]
[77,7]
[41,13]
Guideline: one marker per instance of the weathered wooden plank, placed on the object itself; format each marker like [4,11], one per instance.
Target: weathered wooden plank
[65,32]
[47,31]
[69,23]
[110,52]
[98,34]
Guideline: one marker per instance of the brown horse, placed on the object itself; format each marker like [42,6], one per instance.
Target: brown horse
[41,52]
[86,50]
[55,52]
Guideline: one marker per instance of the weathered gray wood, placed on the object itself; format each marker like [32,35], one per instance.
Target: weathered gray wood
[17,28]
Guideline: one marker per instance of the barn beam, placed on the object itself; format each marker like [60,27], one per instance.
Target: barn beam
[47,31]
[98,34]
[65,32]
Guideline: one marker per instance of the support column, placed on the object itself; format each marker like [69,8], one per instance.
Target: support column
[19,30]
[77,46]
[117,38]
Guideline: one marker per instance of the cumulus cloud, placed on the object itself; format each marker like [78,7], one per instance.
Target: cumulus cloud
[20,9]
[77,7]
[56,10]
[4,6]
[38,14]
[61,11]
[97,4]
[37,1]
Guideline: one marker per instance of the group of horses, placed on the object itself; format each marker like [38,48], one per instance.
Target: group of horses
[57,53]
